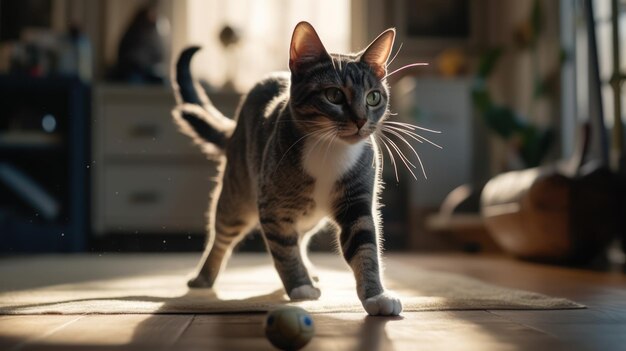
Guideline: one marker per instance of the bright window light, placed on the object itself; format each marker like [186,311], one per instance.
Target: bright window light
[264,28]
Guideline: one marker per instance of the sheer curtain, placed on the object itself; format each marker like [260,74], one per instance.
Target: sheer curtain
[265,28]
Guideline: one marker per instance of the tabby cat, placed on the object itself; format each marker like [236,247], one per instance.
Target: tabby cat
[300,155]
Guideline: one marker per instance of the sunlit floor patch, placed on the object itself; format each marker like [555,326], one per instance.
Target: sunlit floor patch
[252,285]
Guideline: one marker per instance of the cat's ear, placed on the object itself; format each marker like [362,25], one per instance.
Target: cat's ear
[377,53]
[306,47]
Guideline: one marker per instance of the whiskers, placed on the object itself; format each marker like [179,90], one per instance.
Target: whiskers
[392,132]
[405,67]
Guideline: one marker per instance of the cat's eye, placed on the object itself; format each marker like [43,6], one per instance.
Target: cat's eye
[373,98]
[334,95]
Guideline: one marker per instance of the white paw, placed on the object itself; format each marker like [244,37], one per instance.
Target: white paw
[384,304]
[305,292]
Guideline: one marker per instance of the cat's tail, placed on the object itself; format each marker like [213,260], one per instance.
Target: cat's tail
[194,113]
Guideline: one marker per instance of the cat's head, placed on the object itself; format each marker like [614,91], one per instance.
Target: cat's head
[333,94]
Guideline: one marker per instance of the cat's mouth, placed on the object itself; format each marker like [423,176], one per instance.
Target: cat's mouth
[353,137]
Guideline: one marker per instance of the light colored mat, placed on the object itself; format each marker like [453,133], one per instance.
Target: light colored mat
[251,284]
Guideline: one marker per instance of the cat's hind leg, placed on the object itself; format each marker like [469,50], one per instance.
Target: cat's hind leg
[229,225]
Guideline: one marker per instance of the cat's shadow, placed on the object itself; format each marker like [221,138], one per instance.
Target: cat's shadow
[227,330]
[233,330]
[224,331]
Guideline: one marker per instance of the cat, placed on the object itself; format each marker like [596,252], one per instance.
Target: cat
[300,155]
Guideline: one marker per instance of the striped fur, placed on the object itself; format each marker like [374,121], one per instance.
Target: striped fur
[299,158]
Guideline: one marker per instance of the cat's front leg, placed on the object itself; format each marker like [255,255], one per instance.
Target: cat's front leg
[283,243]
[360,246]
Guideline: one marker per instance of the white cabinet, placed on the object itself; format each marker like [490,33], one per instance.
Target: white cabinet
[146,176]
[444,105]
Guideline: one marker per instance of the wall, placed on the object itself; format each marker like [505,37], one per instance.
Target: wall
[511,83]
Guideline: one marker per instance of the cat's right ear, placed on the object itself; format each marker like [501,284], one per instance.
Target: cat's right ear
[306,47]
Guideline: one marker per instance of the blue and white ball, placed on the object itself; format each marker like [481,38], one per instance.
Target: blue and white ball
[289,328]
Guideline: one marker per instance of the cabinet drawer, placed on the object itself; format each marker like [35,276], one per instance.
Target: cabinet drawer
[136,121]
[131,129]
[155,198]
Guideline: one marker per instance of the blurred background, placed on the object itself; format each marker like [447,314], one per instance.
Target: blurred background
[527,94]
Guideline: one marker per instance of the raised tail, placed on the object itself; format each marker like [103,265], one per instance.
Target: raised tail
[195,114]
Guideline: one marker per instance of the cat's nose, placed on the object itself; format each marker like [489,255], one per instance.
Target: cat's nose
[360,122]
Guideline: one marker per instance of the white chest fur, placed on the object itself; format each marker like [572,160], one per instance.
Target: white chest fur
[326,164]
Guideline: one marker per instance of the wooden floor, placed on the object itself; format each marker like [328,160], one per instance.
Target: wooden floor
[600,327]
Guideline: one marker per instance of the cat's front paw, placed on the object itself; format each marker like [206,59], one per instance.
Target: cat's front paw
[200,281]
[384,304]
[305,292]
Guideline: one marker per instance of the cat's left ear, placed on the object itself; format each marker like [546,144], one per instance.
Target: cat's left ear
[378,52]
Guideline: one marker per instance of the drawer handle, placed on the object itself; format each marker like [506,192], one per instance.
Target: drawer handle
[144,131]
[144,197]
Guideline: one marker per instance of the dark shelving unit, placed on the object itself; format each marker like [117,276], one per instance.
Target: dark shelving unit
[44,166]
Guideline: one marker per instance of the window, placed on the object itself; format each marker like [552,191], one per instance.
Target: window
[582,96]
[602,14]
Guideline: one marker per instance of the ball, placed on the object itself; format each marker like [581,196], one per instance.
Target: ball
[289,328]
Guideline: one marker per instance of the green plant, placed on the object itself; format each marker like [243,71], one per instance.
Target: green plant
[531,142]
